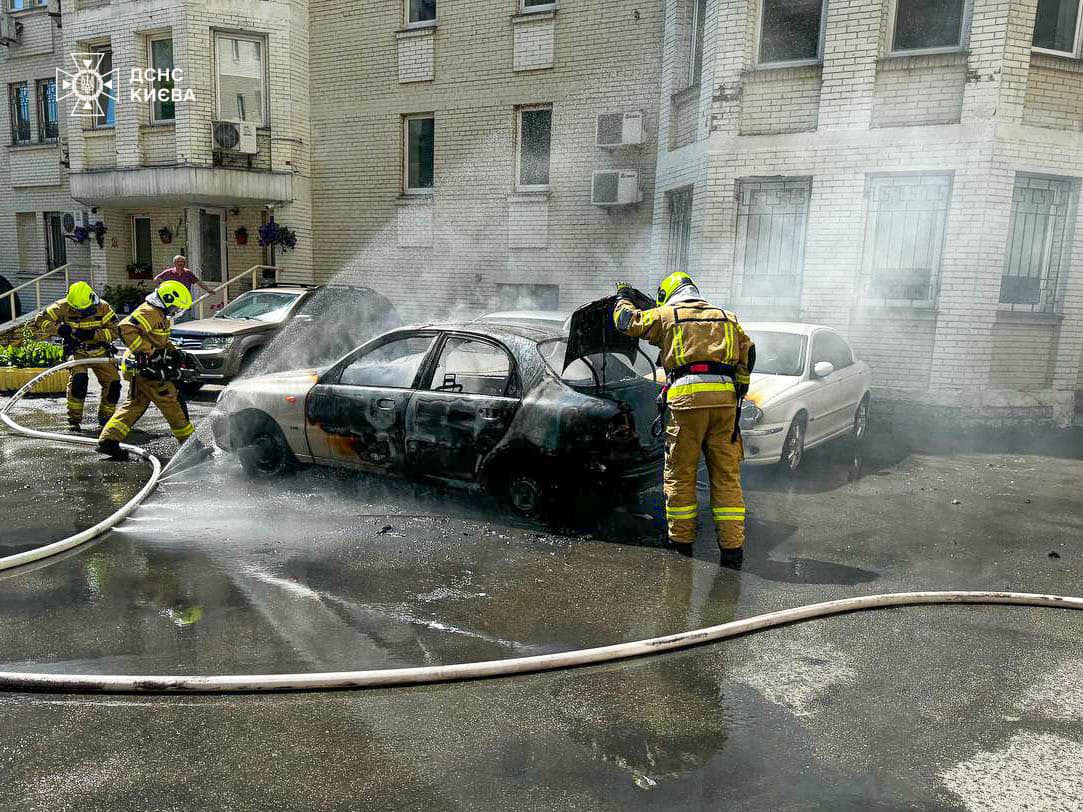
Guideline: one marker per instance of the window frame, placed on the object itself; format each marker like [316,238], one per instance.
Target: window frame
[828,334]
[519,185]
[14,109]
[135,252]
[512,387]
[791,63]
[102,46]
[28,5]
[408,23]
[333,377]
[43,137]
[742,276]
[1077,40]
[419,191]
[540,8]
[261,40]
[154,103]
[964,33]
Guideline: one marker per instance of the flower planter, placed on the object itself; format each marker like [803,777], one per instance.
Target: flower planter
[14,378]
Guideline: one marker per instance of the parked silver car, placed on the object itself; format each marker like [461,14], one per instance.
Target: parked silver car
[807,389]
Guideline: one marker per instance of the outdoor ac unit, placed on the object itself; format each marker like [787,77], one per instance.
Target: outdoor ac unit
[235,136]
[619,129]
[10,29]
[615,188]
[69,220]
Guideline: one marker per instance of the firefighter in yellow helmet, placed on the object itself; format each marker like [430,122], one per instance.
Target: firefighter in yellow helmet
[707,359]
[88,326]
[146,334]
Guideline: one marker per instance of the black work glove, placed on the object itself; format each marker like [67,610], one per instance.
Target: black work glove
[624,290]
[84,335]
[64,330]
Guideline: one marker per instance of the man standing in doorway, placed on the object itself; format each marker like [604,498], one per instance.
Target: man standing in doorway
[180,272]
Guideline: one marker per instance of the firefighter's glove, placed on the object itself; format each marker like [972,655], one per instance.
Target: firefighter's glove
[84,335]
[64,331]
[624,290]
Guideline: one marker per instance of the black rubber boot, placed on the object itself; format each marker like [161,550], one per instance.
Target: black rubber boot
[112,449]
[680,549]
[732,559]
[75,426]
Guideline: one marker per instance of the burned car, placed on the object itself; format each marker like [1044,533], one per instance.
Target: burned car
[524,412]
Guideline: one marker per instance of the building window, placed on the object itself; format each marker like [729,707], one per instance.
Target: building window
[420,12]
[1056,26]
[771,220]
[535,127]
[536,5]
[20,5]
[791,31]
[921,25]
[48,112]
[161,59]
[679,245]
[418,148]
[19,104]
[56,251]
[1038,243]
[142,253]
[241,78]
[904,237]
[695,47]
[510,296]
[108,115]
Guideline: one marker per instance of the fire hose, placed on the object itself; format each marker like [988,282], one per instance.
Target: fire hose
[386,677]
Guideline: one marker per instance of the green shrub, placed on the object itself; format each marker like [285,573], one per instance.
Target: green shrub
[124,298]
[32,355]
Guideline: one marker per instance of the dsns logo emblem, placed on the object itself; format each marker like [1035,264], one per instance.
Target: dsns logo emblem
[88,86]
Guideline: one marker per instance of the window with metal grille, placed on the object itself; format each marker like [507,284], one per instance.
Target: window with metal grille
[679,247]
[771,219]
[904,236]
[19,103]
[1038,243]
[48,113]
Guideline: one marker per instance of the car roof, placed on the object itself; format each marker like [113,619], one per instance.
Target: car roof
[492,329]
[795,327]
[556,316]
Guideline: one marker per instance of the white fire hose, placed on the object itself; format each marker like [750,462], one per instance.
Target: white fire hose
[386,677]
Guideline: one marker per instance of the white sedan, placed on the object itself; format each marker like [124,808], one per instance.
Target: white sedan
[807,388]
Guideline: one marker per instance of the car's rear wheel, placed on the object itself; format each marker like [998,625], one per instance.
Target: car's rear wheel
[861,419]
[793,449]
[527,493]
[265,455]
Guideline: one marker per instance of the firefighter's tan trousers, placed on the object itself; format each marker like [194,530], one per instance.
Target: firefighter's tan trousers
[108,377]
[142,393]
[688,432]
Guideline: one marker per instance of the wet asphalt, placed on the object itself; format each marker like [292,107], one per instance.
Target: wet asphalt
[917,708]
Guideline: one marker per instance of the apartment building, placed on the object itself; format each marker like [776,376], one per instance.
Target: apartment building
[907,172]
[150,159]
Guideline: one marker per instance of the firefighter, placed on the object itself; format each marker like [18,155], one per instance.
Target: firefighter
[707,359]
[88,326]
[146,334]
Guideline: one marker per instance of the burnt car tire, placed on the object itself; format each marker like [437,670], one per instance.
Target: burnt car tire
[793,449]
[527,493]
[265,456]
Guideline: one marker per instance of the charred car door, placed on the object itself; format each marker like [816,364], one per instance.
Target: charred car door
[462,409]
[355,415]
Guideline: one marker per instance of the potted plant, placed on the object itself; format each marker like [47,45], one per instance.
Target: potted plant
[140,270]
[271,233]
[19,364]
[124,298]
[240,235]
[82,234]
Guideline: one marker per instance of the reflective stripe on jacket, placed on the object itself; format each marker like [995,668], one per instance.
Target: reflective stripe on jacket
[102,320]
[145,331]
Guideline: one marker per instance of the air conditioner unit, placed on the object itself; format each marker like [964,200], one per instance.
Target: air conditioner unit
[235,136]
[70,220]
[619,129]
[10,29]
[615,188]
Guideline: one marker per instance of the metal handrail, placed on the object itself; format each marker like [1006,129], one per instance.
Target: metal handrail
[36,282]
[251,274]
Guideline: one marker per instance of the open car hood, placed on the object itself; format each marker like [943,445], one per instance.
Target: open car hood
[591,329]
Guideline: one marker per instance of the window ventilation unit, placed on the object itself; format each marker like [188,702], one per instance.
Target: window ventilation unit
[619,129]
[615,188]
[10,29]
[70,220]
[235,136]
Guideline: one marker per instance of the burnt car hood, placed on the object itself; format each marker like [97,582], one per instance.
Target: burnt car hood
[591,329]
[230,327]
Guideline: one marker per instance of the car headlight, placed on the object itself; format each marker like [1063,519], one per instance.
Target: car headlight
[217,342]
[750,414]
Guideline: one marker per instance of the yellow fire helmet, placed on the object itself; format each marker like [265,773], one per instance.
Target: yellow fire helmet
[174,294]
[81,296]
[671,284]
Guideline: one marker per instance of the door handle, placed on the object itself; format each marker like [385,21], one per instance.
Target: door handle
[387,404]
[489,414]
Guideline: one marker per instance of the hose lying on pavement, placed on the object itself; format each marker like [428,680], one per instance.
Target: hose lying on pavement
[385,677]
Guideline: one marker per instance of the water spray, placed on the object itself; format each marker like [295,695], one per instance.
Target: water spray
[388,677]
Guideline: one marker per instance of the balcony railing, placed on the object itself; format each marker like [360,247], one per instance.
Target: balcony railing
[7,299]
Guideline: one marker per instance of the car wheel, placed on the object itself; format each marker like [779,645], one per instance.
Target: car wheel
[794,448]
[861,419]
[527,494]
[265,456]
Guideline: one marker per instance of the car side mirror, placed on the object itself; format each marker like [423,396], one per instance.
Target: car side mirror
[823,368]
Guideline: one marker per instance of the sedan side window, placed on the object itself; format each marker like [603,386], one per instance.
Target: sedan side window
[393,365]
[830,347]
[470,367]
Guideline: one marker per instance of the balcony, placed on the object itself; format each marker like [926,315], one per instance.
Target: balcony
[147,186]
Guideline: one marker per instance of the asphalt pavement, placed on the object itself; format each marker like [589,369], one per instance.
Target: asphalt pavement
[919,708]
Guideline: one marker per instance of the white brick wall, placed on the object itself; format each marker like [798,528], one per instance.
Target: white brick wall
[535,35]
[416,55]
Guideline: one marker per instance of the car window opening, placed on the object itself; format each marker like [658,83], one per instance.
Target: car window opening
[260,306]
[779,353]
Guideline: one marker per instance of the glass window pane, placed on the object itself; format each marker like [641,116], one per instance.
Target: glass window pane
[928,24]
[771,218]
[49,117]
[240,79]
[471,368]
[1055,25]
[790,30]
[422,10]
[20,113]
[143,254]
[699,26]
[108,116]
[535,134]
[420,134]
[161,54]
[392,365]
